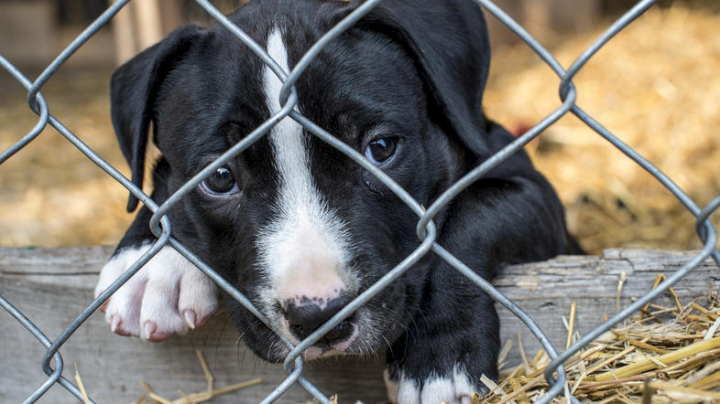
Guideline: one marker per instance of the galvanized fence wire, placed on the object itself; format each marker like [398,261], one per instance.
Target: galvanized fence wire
[426,232]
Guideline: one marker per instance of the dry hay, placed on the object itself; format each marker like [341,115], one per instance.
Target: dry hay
[51,194]
[664,355]
[656,86]
[151,397]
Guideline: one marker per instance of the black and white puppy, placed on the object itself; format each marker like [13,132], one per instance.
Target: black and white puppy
[297,226]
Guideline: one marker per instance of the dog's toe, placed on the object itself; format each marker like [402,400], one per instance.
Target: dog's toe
[197,300]
[167,296]
[159,316]
[455,389]
[122,309]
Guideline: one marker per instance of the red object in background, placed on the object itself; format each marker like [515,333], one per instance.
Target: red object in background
[519,128]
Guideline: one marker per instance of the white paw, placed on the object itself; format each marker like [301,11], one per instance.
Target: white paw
[168,295]
[451,389]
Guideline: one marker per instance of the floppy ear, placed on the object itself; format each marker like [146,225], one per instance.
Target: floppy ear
[449,41]
[133,91]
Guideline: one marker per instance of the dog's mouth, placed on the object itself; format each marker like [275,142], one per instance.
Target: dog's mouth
[340,340]
[366,332]
[326,347]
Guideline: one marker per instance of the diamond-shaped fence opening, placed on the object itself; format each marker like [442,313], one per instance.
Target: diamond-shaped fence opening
[52,363]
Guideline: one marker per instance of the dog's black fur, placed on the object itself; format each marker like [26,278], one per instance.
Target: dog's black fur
[416,70]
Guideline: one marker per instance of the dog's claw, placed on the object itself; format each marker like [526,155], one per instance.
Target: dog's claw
[189,317]
[149,330]
[152,333]
[103,307]
[116,326]
[114,322]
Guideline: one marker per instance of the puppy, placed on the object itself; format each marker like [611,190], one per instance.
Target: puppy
[298,227]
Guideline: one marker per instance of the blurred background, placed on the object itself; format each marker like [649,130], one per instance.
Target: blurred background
[656,86]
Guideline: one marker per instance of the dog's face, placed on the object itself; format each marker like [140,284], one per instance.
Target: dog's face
[297,226]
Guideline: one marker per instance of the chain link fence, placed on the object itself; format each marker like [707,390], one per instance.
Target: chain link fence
[52,362]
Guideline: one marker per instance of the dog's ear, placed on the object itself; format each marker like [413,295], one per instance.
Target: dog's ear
[449,41]
[133,90]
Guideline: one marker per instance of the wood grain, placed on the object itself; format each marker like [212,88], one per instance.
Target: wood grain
[52,286]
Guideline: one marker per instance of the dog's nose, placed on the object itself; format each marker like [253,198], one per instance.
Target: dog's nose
[306,317]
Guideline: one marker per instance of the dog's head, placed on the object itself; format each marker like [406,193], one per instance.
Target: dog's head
[300,228]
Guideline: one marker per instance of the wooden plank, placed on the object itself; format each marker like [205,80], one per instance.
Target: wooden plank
[148,22]
[124,35]
[52,286]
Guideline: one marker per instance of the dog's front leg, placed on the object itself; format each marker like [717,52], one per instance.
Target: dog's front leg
[168,295]
[450,345]
[454,339]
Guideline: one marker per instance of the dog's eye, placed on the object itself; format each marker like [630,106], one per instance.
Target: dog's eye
[222,181]
[381,150]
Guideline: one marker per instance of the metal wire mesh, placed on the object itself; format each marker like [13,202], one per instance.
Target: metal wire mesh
[52,362]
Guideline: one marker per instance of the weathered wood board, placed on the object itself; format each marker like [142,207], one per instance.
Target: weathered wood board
[52,286]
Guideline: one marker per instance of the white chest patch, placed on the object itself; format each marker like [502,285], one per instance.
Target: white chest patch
[304,250]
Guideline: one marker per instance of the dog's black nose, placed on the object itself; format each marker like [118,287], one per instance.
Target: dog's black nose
[308,315]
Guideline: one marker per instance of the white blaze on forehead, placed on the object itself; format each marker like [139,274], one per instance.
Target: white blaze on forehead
[304,249]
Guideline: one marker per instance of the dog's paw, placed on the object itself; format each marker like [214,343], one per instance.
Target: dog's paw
[168,295]
[453,388]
